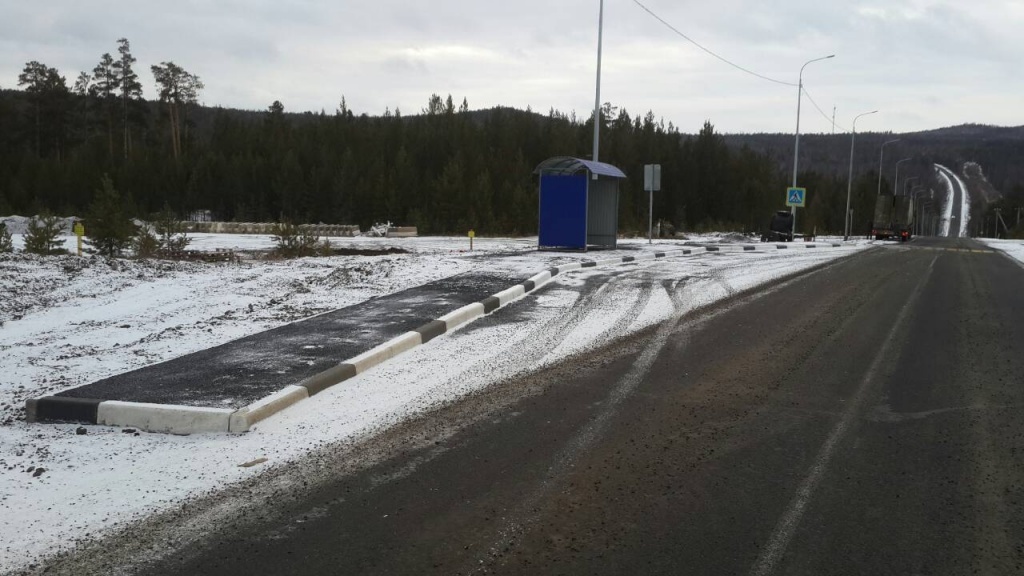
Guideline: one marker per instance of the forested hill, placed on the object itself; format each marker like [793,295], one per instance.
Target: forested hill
[445,169]
[1000,150]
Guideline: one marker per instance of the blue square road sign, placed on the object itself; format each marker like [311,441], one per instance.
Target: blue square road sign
[796,197]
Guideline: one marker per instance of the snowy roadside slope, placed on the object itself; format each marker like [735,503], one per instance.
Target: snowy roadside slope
[947,204]
[76,327]
[1012,248]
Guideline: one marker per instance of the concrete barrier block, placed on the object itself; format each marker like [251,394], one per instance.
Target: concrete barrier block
[61,409]
[432,330]
[540,279]
[385,351]
[510,294]
[462,315]
[323,380]
[243,419]
[568,267]
[163,418]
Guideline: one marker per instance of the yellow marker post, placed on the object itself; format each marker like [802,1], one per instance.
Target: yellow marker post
[472,235]
[79,231]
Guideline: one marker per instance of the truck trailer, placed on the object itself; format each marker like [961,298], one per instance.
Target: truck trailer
[894,217]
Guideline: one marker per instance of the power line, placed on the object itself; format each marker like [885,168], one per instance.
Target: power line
[698,45]
[734,65]
[820,111]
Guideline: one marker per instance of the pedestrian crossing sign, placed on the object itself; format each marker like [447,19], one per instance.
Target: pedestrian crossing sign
[796,197]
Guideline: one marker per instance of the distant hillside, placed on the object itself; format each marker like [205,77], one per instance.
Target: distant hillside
[1000,150]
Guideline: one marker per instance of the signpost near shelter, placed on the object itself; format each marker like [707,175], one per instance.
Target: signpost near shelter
[652,184]
[795,198]
[79,231]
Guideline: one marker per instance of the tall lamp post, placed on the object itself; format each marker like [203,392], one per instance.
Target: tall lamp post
[796,145]
[907,182]
[597,98]
[849,179]
[919,213]
[881,154]
[896,182]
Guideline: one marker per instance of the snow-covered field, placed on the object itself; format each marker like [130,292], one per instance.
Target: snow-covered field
[67,321]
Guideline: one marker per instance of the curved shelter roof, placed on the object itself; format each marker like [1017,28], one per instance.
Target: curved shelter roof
[567,165]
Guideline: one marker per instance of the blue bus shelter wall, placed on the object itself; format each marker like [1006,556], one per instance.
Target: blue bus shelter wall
[563,212]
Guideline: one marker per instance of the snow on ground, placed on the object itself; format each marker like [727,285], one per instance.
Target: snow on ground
[1013,248]
[965,207]
[67,321]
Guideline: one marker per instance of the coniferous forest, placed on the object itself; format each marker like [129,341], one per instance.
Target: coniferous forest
[443,168]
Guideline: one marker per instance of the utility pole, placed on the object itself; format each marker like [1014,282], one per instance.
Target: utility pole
[597,98]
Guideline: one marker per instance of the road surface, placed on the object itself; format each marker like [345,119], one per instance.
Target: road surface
[956,197]
[863,418]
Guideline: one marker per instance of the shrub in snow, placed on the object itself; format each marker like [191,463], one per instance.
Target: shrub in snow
[292,242]
[170,231]
[107,226]
[145,244]
[42,235]
[6,243]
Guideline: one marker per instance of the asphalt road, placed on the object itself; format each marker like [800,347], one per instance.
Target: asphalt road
[957,212]
[863,418]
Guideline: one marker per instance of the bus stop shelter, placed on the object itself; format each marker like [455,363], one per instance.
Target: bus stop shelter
[579,204]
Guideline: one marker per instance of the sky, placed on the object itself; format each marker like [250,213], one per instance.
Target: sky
[923,63]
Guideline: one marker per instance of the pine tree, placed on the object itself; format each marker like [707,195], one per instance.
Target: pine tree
[177,89]
[104,89]
[293,242]
[6,243]
[170,231]
[42,236]
[128,85]
[107,226]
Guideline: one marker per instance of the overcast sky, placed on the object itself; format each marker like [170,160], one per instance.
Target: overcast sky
[924,63]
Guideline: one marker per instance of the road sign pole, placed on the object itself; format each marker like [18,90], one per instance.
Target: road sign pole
[652,183]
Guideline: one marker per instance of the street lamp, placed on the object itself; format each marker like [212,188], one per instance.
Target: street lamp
[880,155]
[849,180]
[597,98]
[908,181]
[918,208]
[896,182]
[796,145]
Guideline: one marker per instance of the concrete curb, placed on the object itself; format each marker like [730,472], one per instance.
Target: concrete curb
[193,419]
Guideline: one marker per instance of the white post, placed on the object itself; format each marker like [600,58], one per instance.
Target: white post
[597,98]
[881,153]
[796,145]
[650,217]
[896,182]
[849,179]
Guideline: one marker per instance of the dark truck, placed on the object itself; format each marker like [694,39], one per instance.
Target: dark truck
[780,229]
[894,217]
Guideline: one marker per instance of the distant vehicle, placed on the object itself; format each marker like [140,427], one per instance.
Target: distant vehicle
[780,229]
[904,212]
[894,217]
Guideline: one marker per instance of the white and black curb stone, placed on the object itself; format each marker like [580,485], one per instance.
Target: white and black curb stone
[175,419]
